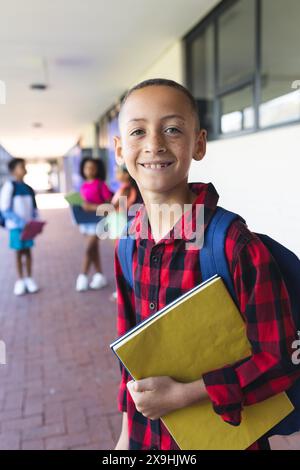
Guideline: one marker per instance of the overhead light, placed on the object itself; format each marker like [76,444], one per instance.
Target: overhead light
[38,86]
[37,125]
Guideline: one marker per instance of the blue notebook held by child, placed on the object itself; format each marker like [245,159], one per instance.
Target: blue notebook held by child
[84,217]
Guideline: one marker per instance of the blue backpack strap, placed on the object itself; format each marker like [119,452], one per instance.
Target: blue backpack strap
[125,254]
[212,254]
[14,185]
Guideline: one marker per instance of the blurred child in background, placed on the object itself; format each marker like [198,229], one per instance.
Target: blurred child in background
[128,188]
[94,191]
[117,220]
[18,206]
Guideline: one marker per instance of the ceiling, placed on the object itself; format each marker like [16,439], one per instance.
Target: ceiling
[87,52]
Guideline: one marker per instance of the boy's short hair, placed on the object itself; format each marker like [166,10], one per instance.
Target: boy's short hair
[15,162]
[169,83]
[101,171]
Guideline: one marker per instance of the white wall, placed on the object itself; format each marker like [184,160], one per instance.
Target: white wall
[87,136]
[169,65]
[258,176]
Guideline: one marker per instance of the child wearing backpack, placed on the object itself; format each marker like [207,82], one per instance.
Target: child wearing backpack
[116,220]
[18,206]
[160,134]
[94,192]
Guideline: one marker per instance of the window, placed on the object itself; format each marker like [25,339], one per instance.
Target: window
[243,66]
[236,44]
[203,73]
[280,102]
[236,111]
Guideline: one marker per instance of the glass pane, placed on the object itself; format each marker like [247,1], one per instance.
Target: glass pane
[203,77]
[237,113]
[236,43]
[280,95]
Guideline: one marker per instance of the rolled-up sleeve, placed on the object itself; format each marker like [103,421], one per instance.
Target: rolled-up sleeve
[264,303]
[125,321]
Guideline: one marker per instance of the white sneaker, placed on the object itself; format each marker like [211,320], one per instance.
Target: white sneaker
[31,285]
[98,281]
[114,296]
[20,287]
[82,283]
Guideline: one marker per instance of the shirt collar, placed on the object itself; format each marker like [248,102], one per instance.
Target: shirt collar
[207,196]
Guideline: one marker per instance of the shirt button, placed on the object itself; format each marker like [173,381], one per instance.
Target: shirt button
[154,259]
[152,305]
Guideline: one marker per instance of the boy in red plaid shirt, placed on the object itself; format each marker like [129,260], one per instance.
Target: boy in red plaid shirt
[160,134]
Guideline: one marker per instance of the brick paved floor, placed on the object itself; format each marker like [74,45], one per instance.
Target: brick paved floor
[58,389]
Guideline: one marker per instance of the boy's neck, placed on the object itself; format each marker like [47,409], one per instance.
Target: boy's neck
[19,180]
[178,197]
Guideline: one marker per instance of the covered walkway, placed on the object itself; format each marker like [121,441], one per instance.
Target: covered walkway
[59,387]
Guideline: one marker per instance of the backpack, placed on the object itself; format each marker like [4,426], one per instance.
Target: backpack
[2,218]
[213,261]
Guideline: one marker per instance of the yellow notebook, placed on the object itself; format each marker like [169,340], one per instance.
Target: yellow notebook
[200,331]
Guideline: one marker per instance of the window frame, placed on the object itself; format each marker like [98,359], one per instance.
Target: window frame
[212,19]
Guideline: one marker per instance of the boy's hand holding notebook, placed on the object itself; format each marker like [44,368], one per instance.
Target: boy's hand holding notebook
[199,332]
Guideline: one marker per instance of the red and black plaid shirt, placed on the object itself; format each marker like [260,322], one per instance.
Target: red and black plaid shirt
[165,270]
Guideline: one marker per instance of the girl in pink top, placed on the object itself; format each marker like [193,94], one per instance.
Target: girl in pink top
[117,220]
[127,188]
[94,191]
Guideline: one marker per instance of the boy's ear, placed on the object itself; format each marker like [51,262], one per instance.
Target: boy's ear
[200,146]
[118,150]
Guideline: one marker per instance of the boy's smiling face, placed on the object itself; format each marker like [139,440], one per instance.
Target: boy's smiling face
[159,138]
